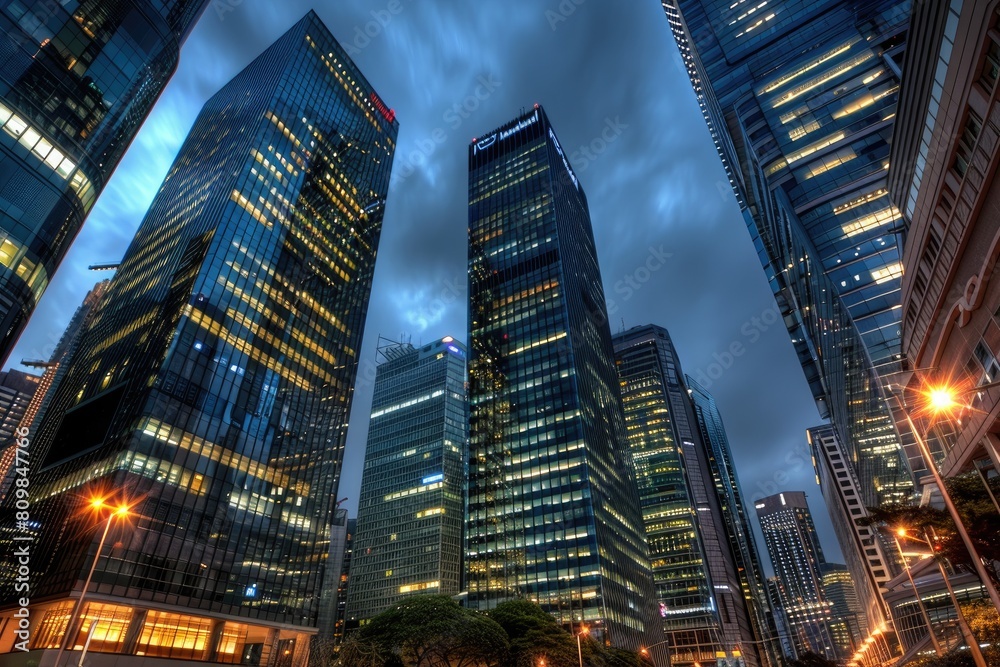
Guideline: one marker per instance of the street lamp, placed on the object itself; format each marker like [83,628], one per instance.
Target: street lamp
[939,400]
[584,630]
[644,650]
[122,511]
[970,639]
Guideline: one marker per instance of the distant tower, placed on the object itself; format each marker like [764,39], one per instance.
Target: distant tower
[554,516]
[870,562]
[412,509]
[797,558]
[702,589]
[848,625]
[18,394]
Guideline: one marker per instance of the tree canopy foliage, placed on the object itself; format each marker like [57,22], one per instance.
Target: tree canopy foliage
[979,515]
[434,631]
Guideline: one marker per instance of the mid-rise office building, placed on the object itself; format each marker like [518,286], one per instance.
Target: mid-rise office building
[849,624]
[704,608]
[554,515]
[411,513]
[870,561]
[797,559]
[212,392]
[18,393]
[77,79]
[942,176]
[17,389]
[800,99]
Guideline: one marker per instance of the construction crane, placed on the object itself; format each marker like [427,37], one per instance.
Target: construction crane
[34,363]
[110,266]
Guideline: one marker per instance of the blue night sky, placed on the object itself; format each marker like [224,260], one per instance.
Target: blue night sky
[671,241]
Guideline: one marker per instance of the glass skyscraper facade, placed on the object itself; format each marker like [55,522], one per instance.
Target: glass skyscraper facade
[704,610]
[797,558]
[737,519]
[800,100]
[77,79]
[554,515]
[849,625]
[213,390]
[411,514]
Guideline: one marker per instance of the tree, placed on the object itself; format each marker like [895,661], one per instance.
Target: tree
[978,513]
[534,634]
[430,631]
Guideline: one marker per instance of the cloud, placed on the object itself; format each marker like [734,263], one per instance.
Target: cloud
[659,183]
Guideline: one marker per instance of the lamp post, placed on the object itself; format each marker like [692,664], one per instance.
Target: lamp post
[916,595]
[940,400]
[584,630]
[97,504]
[970,639]
[644,650]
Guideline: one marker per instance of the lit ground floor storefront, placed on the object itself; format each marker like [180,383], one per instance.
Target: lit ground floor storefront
[113,634]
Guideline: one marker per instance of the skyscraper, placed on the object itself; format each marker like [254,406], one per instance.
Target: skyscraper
[55,370]
[702,597]
[17,388]
[737,520]
[411,513]
[212,392]
[18,393]
[77,80]
[941,175]
[553,512]
[64,350]
[800,100]
[797,558]
[849,625]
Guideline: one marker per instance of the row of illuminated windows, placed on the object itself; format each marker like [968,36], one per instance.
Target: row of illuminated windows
[343,76]
[44,150]
[483,179]
[270,289]
[32,273]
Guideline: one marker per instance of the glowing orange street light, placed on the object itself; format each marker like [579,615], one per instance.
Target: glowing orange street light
[941,399]
[122,511]
[584,630]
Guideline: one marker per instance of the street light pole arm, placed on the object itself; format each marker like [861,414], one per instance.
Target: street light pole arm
[78,607]
[977,562]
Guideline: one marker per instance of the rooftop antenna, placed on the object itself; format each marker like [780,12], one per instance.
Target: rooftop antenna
[623,326]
